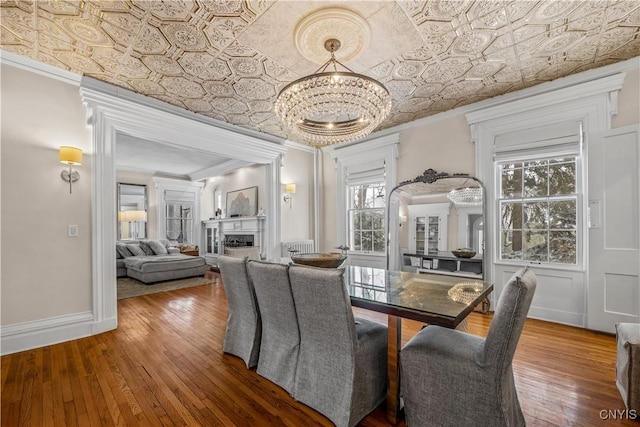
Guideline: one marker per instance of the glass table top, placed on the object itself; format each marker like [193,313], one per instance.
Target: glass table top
[423,297]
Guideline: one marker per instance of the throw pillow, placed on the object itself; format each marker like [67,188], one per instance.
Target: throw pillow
[157,247]
[144,244]
[135,249]
[122,250]
[118,255]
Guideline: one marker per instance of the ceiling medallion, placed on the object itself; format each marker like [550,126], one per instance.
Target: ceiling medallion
[331,106]
[328,23]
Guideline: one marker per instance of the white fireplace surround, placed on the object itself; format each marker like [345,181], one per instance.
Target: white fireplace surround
[253,225]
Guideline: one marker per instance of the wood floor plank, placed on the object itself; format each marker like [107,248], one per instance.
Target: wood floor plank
[164,366]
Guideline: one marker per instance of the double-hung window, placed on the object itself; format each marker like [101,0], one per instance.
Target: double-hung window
[366,211]
[179,217]
[539,210]
[364,173]
[538,191]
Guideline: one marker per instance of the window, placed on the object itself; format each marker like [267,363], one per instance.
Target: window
[217,204]
[538,206]
[179,223]
[366,217]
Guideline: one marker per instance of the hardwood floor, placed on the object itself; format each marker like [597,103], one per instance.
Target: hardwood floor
[164,366]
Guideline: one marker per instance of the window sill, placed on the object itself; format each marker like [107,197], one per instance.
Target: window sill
[515,263]
[372,254]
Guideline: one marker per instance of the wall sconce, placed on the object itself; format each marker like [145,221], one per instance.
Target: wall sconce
[289,189]
[73,157]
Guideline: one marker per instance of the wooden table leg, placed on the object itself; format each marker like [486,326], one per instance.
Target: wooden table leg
[393,368]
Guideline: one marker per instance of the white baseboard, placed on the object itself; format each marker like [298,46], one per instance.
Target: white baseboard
[54,330]
[557,316]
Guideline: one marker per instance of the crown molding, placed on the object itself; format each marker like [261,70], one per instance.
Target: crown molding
[28,64]
[143,117]
[564,82]
[217,170]
[297,146]
[50,71]
[578,91]
[362,148]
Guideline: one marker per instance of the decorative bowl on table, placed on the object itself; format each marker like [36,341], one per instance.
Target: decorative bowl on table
[463,253]
[325,260]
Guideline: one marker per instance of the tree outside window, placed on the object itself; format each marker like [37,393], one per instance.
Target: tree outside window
[539,211]
[366,218]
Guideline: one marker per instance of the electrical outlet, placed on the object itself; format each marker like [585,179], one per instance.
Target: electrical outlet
[73,231]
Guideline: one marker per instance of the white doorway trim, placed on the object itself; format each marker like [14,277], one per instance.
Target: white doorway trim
[112,111]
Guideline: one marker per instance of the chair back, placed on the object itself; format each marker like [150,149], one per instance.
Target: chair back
[328,339]
[508,319]
[323,306]
[242,336]
[280,333]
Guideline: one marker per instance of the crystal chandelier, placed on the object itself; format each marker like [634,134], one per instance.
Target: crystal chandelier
[467,196]
[329,107]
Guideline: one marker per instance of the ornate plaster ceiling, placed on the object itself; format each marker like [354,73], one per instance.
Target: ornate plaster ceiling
[229,59]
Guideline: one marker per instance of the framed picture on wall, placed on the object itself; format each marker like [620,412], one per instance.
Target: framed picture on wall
[242,202]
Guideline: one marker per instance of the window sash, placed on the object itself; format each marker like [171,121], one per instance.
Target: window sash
[539,239]
[366,237]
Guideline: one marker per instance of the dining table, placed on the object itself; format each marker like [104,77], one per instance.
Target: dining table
[435,299]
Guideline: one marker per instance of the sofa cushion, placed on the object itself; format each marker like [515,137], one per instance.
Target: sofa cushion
[158,263]
[122,249]
[118,254]
[144,244]
[157,247]
[135,249]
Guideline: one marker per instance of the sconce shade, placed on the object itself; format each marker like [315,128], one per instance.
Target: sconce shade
[289,188]
[70,156]
[131,216]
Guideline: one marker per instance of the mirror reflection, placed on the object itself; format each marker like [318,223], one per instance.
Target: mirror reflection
[436,225]
[132,211]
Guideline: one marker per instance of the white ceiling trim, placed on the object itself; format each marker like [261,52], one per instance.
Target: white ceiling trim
[38,67]
[297,146]
[149,119]
[583,77]
[218,170]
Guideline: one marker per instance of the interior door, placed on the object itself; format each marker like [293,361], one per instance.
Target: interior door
[614,230]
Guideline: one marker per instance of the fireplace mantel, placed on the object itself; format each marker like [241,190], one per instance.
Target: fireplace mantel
[215,230]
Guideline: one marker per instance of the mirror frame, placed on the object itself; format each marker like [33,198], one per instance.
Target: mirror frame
[118,207]
[430,176]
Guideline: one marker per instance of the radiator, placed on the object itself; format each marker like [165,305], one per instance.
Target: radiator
[302,246]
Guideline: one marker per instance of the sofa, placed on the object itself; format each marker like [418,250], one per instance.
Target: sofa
[151,261]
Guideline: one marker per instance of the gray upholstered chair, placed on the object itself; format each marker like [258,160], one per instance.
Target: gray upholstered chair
[280,335]
[342,366]
[451,378]
[242,336]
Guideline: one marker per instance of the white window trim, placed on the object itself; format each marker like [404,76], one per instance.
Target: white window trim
[194,187]
[592,103]
[351,157]
[384,210]
[580,224]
